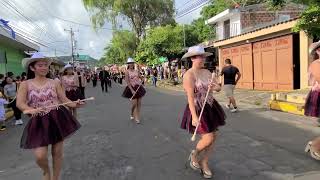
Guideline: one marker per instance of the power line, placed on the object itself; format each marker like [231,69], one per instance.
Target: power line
[28,19]
[192,10]
[21,32]
[69,21]
[184,5]
[192,6]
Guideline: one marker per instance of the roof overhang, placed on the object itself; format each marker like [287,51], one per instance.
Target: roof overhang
[284,27]
[19,42]
[222,16]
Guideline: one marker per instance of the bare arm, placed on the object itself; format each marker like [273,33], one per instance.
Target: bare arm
[238,77]
[188,85]
[216,85]
[314,72]
[22,97]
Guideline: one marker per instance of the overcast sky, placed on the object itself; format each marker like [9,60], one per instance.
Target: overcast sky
[49,28]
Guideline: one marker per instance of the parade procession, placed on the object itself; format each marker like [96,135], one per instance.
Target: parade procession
[159,89]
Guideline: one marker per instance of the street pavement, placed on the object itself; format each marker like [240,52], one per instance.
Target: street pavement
[256,144]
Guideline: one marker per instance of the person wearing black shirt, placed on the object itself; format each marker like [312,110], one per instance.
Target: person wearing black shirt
[154,76]
[82,83]
[94,79]
[104,77]
[230,81]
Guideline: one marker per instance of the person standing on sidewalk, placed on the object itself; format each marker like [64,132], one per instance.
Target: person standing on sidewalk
[154,76]
[230,72]
[312,106]
[196,82]
[134,89]
[47,126]
[10,92]
[3,114]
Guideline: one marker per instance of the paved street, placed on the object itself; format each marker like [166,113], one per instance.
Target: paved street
[254,145]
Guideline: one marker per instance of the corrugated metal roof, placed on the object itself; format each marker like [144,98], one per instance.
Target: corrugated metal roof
[258,29]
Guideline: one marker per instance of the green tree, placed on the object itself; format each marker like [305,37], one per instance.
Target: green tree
[309,20]
[203,31]
[139,13]
[122,46]
[166,41]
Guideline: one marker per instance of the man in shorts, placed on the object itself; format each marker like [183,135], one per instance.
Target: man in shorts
[230,72]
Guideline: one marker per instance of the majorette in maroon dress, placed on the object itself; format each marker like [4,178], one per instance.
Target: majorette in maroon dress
[213,115]
[72,90]
[51,126]
[312,105]
[135,82]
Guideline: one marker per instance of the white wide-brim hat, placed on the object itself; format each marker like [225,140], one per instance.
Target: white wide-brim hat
[130,60]
[313,47]
[35,57]
[196,51]
[67,66]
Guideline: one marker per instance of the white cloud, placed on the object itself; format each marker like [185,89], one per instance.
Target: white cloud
[41,13]
[91,44]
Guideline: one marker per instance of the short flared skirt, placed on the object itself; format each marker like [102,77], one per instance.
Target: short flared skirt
[312,105]
[212,118]
[74,94]
[139,94]
[49,129]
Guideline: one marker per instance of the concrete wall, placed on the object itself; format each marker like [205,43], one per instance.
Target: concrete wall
[304,59]
[235,26]
[14,57]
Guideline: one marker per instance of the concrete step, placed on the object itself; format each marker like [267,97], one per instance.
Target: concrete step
[285,106]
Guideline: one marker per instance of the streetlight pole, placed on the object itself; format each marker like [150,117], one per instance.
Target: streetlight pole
[72,45]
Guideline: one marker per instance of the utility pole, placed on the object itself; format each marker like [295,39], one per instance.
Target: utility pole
[184,36]
[72,45]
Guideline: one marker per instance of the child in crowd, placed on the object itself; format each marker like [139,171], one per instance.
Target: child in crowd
[2,113]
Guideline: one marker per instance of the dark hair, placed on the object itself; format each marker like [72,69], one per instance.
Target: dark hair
[18,77]
[5,81]
[65,72]
[10,74]
[228,61]
[30,73]
[130,64]
[1,76]
[315,56]
[23,74]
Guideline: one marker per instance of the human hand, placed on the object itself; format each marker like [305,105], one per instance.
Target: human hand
[195,121]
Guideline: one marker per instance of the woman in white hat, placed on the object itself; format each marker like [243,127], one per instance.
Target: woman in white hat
[312,106]
[47,126]
[70,83]
[134,90]
[196,82]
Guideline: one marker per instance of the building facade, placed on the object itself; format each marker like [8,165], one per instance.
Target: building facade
[14,49]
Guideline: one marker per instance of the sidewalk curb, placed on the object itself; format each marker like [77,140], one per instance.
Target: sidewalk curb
[289,107]
[308,176]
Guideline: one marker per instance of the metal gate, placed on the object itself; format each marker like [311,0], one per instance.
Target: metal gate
[273,64]
[241,57]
